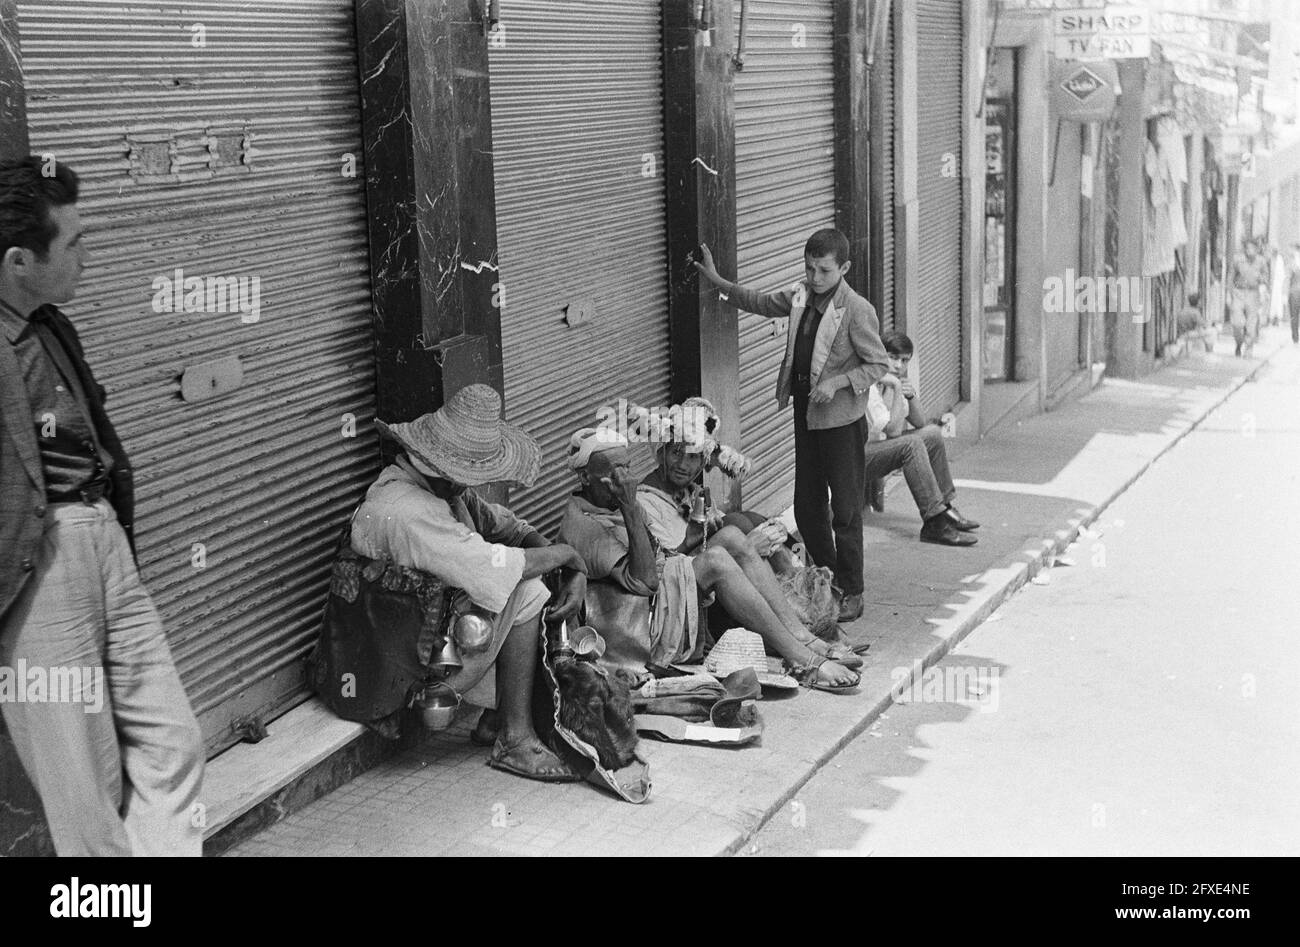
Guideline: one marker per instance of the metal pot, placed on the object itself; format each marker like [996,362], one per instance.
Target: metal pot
[437,705]
[473,632]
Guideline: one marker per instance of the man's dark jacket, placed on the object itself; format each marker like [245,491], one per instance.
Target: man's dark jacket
[22,479]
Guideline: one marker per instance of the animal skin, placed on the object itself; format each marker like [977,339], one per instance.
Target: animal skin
[597,706]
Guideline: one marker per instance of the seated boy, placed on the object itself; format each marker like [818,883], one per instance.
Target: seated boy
[920,453]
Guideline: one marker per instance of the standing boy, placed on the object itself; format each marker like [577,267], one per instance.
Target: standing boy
[833,356]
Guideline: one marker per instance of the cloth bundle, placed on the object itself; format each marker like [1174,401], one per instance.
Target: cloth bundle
[809,592]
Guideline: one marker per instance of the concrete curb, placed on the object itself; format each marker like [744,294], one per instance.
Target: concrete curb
[955,629]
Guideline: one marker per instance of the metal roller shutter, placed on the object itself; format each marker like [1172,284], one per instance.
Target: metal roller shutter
[222,160]
[577,136]
[785,190]
[935,327]
[882,74]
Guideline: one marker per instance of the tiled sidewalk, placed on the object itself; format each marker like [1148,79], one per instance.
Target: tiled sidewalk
[1031,486]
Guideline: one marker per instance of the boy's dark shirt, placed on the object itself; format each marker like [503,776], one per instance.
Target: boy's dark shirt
[806,340]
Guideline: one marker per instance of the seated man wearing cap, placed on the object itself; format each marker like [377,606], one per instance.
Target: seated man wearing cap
[606,523]
[422,514]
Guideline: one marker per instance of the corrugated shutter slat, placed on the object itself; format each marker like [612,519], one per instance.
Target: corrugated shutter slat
[785,190]
[935,326]
[577,97]
[263,478]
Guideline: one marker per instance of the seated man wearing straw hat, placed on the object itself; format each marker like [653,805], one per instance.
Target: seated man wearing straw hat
[608,526]
[422,513]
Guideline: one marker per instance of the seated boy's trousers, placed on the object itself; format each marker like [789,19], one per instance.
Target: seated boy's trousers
[830,460]
[923,458]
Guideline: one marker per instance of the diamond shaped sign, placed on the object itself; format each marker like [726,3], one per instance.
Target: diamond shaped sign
[1082,84]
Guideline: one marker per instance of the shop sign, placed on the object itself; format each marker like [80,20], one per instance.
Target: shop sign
[1084,92]
[1110,32]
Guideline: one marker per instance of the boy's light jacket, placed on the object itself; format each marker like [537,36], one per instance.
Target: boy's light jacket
[847,343]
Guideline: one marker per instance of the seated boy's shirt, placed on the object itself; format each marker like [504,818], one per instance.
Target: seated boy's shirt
[470,544]
[600,537]
[877,414]
[666,516]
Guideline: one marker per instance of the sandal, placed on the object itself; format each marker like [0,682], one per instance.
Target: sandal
[838,653]
[515,758]
[809,676]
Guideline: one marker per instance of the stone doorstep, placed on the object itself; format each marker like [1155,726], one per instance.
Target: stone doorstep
[246,776]
[309,752]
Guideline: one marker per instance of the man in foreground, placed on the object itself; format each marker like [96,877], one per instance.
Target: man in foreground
[120,778]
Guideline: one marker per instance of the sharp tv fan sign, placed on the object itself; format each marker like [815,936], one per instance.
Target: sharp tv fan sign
[1093,33]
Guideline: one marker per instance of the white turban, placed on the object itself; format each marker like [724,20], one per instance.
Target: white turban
[591,440]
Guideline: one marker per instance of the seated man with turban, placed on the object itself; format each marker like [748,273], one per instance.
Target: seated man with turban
[606,524]
[422,513]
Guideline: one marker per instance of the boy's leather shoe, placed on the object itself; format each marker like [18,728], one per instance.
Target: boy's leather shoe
[850,608]
[960,522]
[940,531]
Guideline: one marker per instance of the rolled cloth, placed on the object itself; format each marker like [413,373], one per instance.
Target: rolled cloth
[591,440]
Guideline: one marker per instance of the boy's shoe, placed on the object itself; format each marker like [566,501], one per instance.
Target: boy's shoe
[850,608]
[876,494]
[960,522]
[940,531]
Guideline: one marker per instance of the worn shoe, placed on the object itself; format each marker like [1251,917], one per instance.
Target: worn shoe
[960,522]
[940,531]
[850,608]
[876,495]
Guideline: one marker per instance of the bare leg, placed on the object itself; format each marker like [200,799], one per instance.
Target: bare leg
[763,579]
[716,571]
[515,668]
[780,560]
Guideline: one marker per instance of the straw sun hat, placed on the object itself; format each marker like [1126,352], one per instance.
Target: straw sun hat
[739,648]
[465,441]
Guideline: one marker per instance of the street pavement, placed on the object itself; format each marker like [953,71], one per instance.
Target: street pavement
[1140,701]
[1032,484]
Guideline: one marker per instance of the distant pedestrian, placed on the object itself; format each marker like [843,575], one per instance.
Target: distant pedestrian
[122,777]
[1247,279]
[833,356]
[1293,294]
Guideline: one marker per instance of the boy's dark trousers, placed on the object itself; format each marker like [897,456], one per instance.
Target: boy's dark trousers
[830,459]
[1293,305]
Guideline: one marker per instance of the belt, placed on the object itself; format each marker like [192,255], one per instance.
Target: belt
[89,494]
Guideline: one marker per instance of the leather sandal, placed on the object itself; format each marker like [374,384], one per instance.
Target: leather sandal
[838,653]
[808,676]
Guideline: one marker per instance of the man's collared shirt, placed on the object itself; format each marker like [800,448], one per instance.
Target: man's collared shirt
[71,455]
[468,543]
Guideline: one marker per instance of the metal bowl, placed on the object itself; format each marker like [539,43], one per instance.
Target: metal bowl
[586,642]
